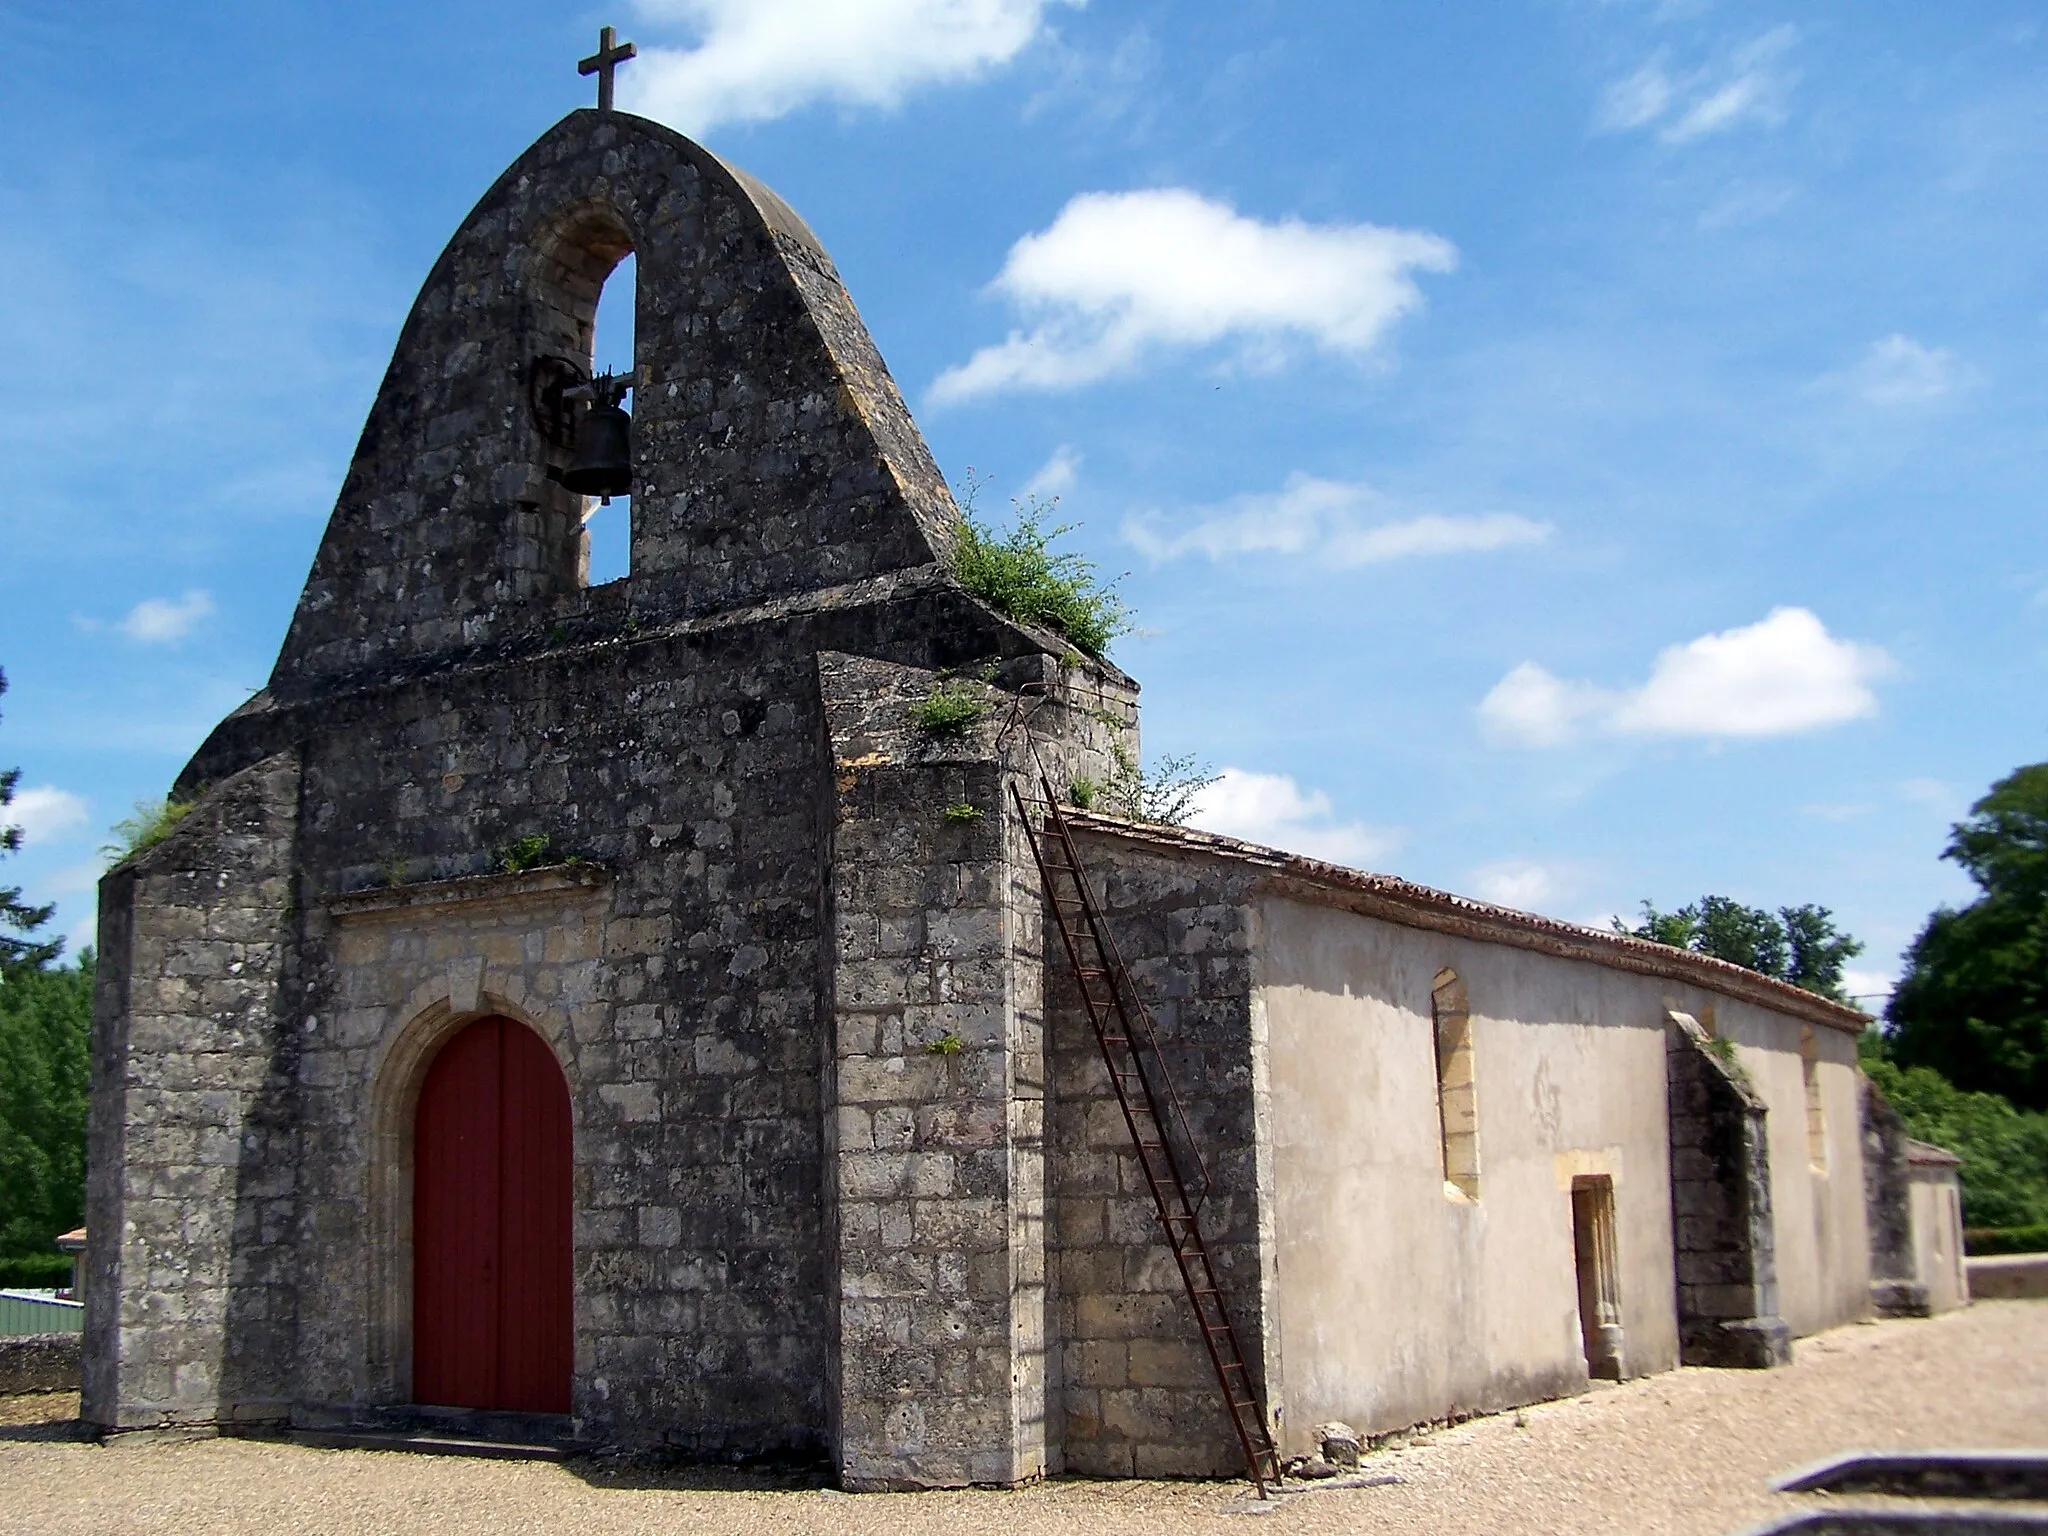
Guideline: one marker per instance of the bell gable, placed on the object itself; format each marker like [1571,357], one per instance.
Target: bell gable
[772,455]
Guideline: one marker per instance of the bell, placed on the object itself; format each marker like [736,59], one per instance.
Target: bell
[603,465]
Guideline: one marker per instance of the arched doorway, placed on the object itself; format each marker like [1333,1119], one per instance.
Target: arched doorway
[491,1211]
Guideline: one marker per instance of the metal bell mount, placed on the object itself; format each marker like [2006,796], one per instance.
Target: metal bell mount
[602,464]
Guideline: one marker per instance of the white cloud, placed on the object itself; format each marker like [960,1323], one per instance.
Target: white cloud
[1869,990]
[1118,275]
[1328,520]
[1750,86]
[83,935]
[1055,477]
[43,812]
[75,879]
[1637,101]
[160,621]
[1271,808]
[752,60]
[1531,707]
[1899,371]
[1837,813]
[1779,676]
[1515,883]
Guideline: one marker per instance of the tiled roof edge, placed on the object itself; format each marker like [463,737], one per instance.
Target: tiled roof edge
[1421,906]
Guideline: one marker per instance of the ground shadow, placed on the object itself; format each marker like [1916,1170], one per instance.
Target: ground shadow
[678,1475]
[41,1416]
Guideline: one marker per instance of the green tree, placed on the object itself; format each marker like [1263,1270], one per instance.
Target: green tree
[45,1020]
[19,950]
[45,1024]
[1973,1002]
[2004,1149]
[1796,944]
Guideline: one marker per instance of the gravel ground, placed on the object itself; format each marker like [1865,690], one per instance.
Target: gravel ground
[1686,1452]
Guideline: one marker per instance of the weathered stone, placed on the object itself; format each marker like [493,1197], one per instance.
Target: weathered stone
[1339,1443]
[39,1362]
[1725,1243]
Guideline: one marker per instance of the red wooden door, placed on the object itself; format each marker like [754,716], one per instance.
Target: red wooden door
[491,1212]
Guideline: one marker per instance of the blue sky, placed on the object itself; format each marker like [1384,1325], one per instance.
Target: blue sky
[1570,453]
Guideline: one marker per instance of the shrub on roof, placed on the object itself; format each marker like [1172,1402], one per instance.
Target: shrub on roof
[1019,573]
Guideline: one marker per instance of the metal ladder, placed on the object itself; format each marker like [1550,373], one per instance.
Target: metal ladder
[1124,1030]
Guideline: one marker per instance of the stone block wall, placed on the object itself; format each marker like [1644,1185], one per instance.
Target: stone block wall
[1725,1244]
[937,1131]
[1138,1394]
[682,997]
[192,1190]
[39,1362]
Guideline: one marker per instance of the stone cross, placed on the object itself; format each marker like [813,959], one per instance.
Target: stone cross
[604,64]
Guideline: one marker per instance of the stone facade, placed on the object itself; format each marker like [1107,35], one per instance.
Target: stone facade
[938,1135]
[279,972]
[848,1181]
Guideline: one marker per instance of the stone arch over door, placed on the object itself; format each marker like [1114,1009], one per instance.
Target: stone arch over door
[395,1097]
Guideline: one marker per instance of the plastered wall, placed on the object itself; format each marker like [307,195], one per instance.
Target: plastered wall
[1395,1300]
[1823,1244]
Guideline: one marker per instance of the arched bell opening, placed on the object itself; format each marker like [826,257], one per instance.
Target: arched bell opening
[585,286]
[608,524]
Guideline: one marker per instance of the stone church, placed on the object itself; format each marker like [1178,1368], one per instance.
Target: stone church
[605,1014]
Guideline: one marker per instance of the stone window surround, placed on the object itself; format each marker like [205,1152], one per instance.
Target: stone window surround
[1595,1249]
[433,1013]
[1816,1107]
[1457,1087]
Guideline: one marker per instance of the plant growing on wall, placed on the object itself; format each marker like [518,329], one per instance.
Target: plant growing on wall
[1167,795]
[951,709]
[531,852]
[1019,573]
[152,822]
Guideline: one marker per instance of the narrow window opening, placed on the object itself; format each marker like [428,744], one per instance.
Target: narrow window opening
[1816,1114]
[608,527]
[1456,1088]
[1599,1276]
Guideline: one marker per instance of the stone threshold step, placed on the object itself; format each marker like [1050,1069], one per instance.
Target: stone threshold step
[1926,1474]
[430,1444]
[1905,1522]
